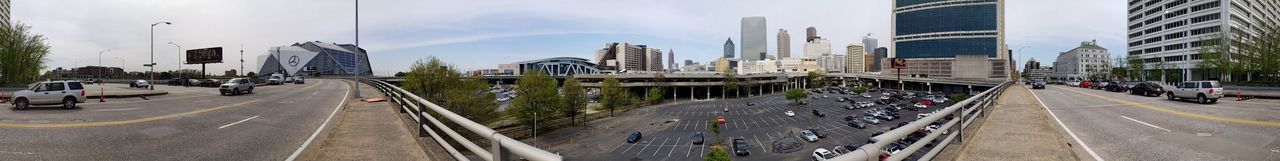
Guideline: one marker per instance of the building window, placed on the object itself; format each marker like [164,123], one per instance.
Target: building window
[1205,6]
[1175,13]
[1175,46]
[1173,24]
[1135,52]
[1152,40]
[1174,3]
[1196,56]
[1205,30]
[1152,50]
[1175,35]
[1205,18]
[1136,34]
[1153,29]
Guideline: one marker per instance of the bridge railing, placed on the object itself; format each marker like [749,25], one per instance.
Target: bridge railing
[966,110]
[502,148]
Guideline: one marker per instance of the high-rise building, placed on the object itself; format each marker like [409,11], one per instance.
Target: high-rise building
[880,56]
[810,34]
[832,63]
[869,43]
[855,59]
[817,48]
[1031,64]
[1081,62]
[4,12]
[728,48]
[925,34]
[671,58]
[784,44]
[1171,33]
[624,56]
[753,38]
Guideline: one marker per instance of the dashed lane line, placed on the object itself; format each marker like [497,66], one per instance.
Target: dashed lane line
[237,122]
[1145,123]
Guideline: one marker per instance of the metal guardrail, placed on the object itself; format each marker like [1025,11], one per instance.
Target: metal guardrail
[972,107]
[503,147]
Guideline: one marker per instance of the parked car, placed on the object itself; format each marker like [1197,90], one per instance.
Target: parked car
[822,154]
[697,138]
[808,136]
[235,86]
[1147,89]
[789,114]
[1203,92]
[856,124]
[275,79]
[175,81]
[865,95]
[840,150]
[740,147]
[818,113]
[139,84]
[634,137]
[1117,87]
[67,93]
[871,120]
[210,83]
[1084,84]
[819,133]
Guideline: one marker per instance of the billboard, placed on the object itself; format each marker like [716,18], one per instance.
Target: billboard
[204,56]
[898,63]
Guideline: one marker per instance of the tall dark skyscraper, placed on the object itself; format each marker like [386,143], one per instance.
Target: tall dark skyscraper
[754,38]
[671,59]
[810,34]
[881,53]
[728,48]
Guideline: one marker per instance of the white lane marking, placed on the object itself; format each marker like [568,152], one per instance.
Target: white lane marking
[646,146]
[237,122]
[1064,127]
[673,147]
[318,129]
[314,93]
[664,143]
[118,109]
[686,153]
[616,147]
[703,153]
[1145,123]
[629,147]
[761,143]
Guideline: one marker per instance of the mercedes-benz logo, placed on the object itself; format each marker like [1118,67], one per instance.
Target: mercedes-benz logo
[293,61]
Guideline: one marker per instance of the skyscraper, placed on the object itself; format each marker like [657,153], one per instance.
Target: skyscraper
[924,33]
[1173,32]
[753,38]
[4,12]
[856,59]
[653,59]
[728,48]
[784,44]
[880,54]
[869,43]
[817,48]
[810,34]
[671,58]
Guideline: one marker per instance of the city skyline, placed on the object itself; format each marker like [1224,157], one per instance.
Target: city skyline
[464,38]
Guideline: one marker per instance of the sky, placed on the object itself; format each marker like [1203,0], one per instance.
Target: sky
[483,34]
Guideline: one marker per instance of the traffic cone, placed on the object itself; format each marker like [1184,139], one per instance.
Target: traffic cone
[2,100]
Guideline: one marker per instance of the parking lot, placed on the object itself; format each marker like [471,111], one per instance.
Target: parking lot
[668,129]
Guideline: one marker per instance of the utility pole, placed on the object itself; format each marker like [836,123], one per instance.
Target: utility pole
[153,51]
[357,62]
[179,58]
[241,59]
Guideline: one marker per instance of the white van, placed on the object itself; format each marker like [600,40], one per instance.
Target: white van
[275,79]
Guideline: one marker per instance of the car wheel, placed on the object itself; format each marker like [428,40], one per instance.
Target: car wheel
[1170,94]
[1215,100]
[1202,100]
[21,104]
[235,91]
[250,91]
[69,103]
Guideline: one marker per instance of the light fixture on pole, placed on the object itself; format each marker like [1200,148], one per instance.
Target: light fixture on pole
[153,50]
[179,63]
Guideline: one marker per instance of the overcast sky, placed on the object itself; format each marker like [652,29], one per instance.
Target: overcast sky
[483,34]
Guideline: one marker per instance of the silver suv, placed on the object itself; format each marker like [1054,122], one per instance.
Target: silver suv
[1203,91]
[236,86]
[67,93]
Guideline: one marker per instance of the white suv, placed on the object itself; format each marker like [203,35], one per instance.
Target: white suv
[67,93]
[236,86]
[1203,91]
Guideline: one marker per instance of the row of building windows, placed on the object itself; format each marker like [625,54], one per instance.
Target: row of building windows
[1203,43]
[1206,30]
[1153,40]
[1174,3]
[1204,18]
[944,19]
[1154,20]
[1153,30]
[1178,46]
[948,35]
[1205,6]
[949,3]
[1149,3]
[1175,13]
[1175,46]
[1153,10]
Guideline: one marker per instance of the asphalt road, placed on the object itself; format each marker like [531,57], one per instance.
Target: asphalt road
[189,124]
[1119,126]
[667,129]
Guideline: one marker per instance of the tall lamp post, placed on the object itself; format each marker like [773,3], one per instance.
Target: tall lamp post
[1015,66]
[153,50]
[101,90]
[179,63]
[122,66]
[358,62]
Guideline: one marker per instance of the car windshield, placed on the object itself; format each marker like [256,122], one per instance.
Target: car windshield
[828,155]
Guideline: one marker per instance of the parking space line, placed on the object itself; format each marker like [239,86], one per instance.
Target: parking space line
[686,125]
[757,123]
[616,147]
[673,147]
[629,148]
[703,153]
[686,153]
[761,144]
[664,143]
[646,146]
[769,135]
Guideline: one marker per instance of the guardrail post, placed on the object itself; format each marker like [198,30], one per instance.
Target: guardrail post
[960,126]
[498,153]
[422,124]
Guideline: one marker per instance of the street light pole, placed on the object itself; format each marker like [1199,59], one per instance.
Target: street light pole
[179,64]
[100,60]
[101,90]
[153,50]
[1015,66]
[357,62]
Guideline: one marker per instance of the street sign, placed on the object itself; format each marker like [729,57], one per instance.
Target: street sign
[148,65]
[204,56]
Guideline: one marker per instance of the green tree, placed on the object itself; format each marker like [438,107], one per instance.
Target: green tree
[400,74]
[1136,67]
[251,74]
[717,154]
[730,82]
[715,128]
[816,79]
[538,101]
[611,94]
[22,55]
[654,95]
[859,90]
[1254,55]
[575,98]
[795,94]
[438,83]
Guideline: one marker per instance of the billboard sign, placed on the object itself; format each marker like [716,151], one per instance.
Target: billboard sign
[204,56]
[898,63]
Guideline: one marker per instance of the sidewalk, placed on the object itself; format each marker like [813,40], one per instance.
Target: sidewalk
[1017,128]
[373,131]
